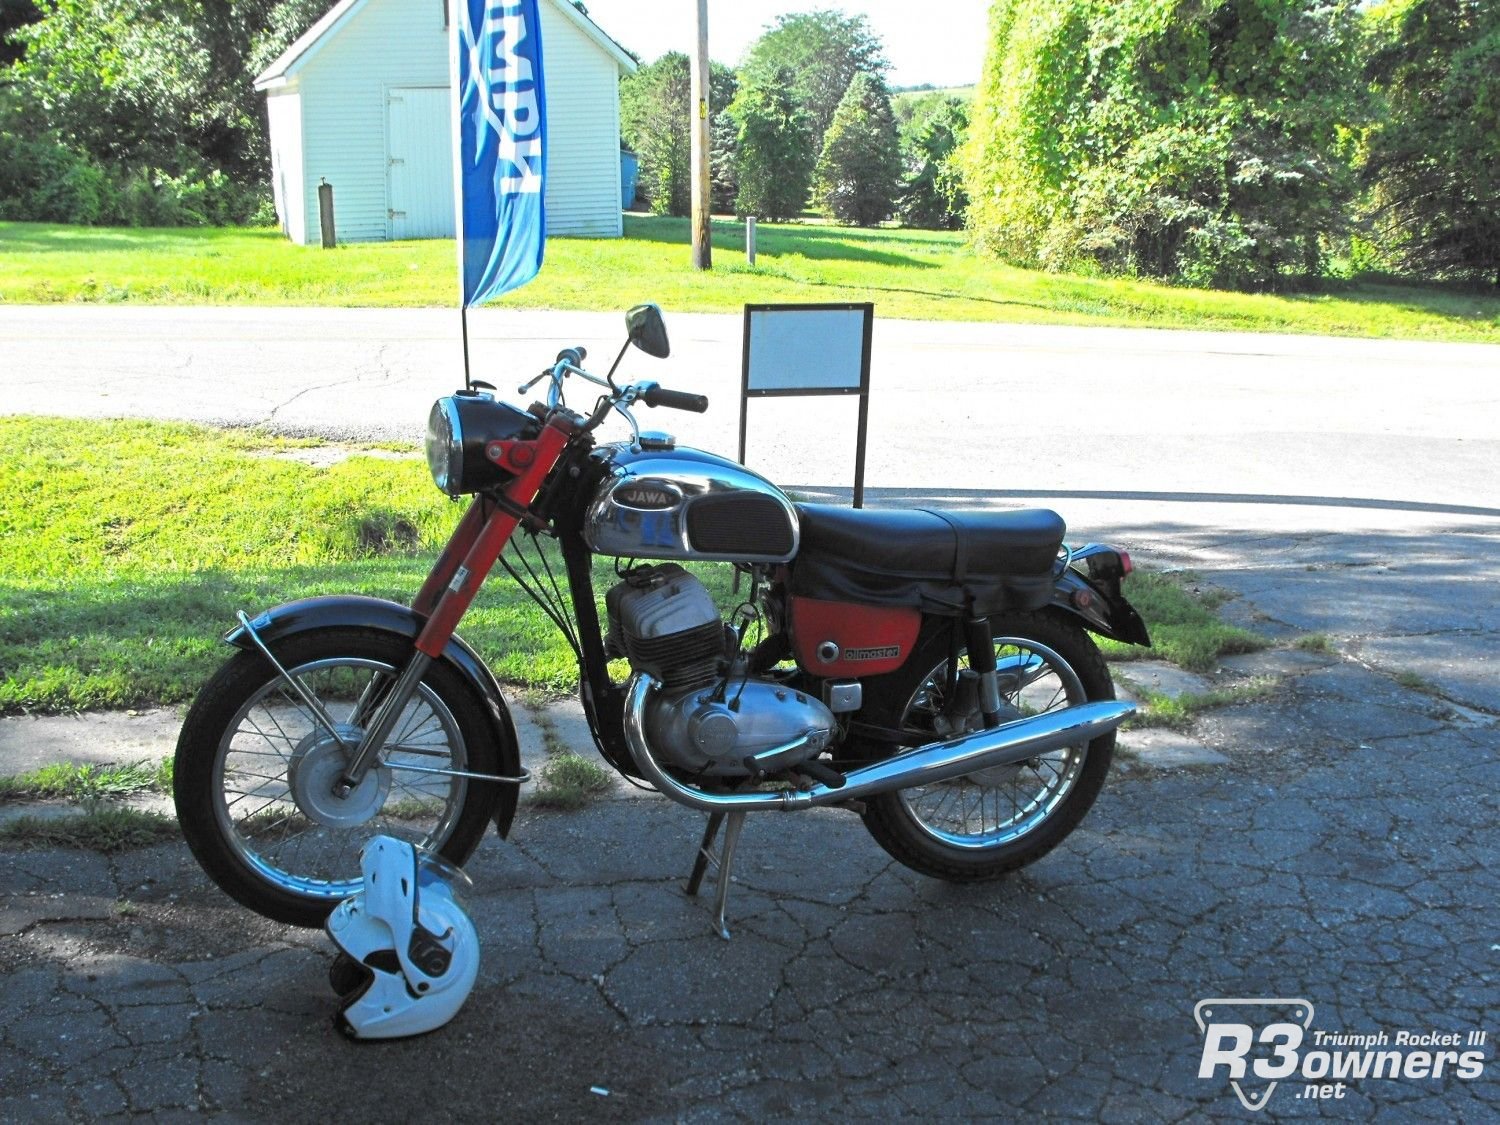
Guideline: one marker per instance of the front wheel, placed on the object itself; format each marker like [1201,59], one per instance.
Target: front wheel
[254,771]
[985,824]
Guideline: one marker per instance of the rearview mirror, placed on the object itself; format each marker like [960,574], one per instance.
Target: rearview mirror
[648,331]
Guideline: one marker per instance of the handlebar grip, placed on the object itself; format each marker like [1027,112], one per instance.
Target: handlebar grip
[574,356]
[675,400]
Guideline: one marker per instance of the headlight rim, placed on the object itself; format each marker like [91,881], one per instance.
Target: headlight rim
[446,410]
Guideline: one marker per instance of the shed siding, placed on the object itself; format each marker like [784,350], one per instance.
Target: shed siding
[387,44]
[583,131]
[284,117]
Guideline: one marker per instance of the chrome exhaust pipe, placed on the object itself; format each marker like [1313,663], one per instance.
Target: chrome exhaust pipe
[1004,745]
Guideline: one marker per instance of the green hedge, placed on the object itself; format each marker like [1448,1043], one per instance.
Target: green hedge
[45,180]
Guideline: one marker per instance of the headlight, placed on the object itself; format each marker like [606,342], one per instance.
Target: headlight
[459,429]
[445,447]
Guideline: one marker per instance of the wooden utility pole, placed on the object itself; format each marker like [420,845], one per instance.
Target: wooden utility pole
[702,191]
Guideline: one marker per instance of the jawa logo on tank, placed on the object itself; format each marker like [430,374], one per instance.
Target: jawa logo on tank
[889,652]
[651,497]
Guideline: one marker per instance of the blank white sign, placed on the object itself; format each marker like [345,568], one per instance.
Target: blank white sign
[805,349]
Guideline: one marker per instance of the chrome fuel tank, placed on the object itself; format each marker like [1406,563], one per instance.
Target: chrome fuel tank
[687,504]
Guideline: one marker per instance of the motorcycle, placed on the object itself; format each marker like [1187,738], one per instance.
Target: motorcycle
[930,670]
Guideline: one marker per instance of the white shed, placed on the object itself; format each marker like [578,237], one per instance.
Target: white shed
[363,101]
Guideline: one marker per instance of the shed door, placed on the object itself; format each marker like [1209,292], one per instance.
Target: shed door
[420,163]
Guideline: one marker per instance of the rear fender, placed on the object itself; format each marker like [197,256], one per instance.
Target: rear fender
[1090,589]
[351,611]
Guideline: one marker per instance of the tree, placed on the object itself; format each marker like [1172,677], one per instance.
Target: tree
[121,79]
[143,80]
[724,160]
[145,108]
[1201,140]
[933,195]
[822,52]
[655,123]
[284,24]
[774,154]
[14,15]
[859,170]
[1434,160]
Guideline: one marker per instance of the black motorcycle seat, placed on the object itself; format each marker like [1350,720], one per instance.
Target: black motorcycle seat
[939,545]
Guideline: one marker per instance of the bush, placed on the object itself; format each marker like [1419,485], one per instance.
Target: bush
[43,180]
[154,197]
[1433,162]
[1205,141]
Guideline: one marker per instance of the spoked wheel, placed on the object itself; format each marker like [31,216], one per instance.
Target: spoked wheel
[255,771]
[984,824]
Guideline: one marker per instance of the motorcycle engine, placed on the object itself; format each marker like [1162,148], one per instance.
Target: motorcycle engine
[707,719]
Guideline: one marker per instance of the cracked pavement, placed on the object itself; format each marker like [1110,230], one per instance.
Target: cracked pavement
[1341,850]
[1332,840]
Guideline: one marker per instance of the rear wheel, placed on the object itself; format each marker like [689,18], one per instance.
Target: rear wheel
[254,771]
[985,824]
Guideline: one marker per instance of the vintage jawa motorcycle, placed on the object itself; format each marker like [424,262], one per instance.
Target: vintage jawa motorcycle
[929,670]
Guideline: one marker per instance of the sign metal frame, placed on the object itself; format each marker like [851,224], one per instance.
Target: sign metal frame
[795,381]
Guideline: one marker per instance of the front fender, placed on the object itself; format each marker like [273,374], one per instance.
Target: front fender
[354,611]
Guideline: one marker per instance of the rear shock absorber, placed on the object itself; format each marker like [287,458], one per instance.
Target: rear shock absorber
[981,644]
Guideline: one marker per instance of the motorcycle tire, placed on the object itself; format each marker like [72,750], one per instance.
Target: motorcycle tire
[254,771]
[986,824]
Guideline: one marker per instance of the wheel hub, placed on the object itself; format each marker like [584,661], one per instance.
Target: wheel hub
[314,771]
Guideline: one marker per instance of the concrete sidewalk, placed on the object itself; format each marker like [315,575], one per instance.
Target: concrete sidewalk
[1334,844]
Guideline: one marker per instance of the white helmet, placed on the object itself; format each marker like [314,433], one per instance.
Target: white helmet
[408,950]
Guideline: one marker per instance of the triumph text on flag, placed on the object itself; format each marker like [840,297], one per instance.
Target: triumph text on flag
[501,147]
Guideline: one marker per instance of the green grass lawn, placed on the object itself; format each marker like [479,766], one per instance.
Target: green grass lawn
[128,546]
[908,274]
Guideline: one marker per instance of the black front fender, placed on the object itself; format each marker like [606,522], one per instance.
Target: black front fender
[351,611]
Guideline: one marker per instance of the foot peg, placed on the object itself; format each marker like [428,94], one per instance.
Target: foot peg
[822,771]
[723,861]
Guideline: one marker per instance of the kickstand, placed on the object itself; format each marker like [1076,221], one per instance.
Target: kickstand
[723,860]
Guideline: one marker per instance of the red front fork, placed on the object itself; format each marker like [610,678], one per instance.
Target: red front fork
[477,542]
[452,586]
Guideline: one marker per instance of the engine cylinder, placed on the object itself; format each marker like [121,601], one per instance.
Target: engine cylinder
[663,620]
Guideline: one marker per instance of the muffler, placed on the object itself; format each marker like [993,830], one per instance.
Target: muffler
[1004,745]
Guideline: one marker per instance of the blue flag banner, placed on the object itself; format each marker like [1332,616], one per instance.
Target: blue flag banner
[501,148]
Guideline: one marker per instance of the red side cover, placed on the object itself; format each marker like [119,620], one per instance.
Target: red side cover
[871,640]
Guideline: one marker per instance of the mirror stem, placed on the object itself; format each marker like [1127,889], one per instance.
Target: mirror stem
[610,378]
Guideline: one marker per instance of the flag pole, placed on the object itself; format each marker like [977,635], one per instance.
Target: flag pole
[463,320]
[499,151]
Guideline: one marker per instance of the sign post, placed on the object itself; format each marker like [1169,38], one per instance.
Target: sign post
[810,350]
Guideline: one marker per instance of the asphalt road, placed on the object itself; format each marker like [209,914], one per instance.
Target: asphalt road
[1326,850]
[1004,410]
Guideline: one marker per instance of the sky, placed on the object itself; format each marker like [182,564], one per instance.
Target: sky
[937,41]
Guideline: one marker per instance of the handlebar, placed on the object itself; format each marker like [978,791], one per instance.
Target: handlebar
[675,400]
[618,399]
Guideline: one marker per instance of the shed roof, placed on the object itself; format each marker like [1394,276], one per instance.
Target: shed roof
[295,57]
